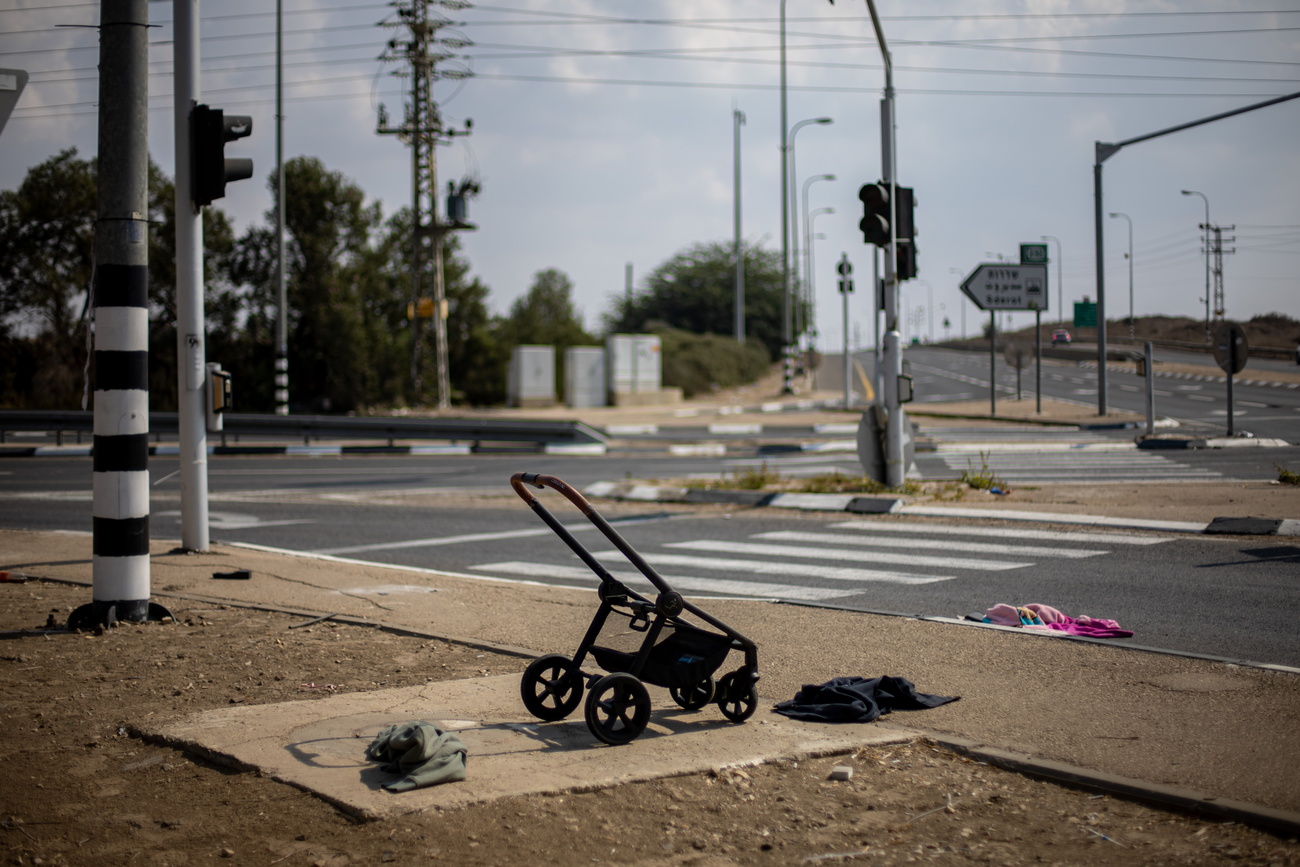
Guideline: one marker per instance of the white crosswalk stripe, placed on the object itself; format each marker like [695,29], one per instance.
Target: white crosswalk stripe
[931,544]
[680,582]
[1001,533]
[769,567]
[849,554]
[1055,465]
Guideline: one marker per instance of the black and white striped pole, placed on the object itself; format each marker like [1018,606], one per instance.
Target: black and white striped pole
[120,565]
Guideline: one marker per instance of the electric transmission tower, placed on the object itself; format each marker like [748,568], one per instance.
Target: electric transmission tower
[1217,251]
[422,48]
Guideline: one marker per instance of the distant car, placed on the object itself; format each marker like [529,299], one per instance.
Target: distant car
[1060,337]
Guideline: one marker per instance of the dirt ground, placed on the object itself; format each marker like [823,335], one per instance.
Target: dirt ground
[80,788]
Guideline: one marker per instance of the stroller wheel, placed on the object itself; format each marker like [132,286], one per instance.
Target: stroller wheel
[736,708]
[618,708]
[551,687]
[693,697]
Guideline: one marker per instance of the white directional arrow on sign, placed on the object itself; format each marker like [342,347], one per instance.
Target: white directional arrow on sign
[1003,286]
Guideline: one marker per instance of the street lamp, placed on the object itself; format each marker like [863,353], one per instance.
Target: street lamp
[808,266]
[812,323]
[1060,288]
[794,201]
[738,120]
[1130,271]
[1206,227]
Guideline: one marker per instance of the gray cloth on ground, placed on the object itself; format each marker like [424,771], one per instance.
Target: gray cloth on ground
[423,753]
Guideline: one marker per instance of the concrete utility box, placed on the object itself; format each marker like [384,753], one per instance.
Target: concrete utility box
[584,376]
[633,363]
[530,381]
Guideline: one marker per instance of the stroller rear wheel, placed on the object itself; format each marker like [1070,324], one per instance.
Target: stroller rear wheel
[618,708]
[551,687]
[736,707]
[693,697]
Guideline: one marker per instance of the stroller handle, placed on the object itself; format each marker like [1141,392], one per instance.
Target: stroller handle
[542,480]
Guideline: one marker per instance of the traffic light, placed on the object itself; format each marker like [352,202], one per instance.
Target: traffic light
[210,169]
[905,255]
[875,217]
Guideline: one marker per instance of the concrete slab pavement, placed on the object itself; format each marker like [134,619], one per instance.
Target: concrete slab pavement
[319,745]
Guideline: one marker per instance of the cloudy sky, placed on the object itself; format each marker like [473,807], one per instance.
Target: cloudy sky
[603,132]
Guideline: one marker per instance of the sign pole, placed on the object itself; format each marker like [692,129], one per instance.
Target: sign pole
[993,362]
[1151,388]
[1232,366]
[1038,351]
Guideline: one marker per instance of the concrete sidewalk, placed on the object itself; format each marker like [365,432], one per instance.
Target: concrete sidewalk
[1221,737]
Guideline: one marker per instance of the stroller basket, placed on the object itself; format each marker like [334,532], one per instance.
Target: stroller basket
[683,659]
[673,653]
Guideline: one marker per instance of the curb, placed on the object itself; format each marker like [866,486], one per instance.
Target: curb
[1182,800]
[885,505]
[1212,443]
[83,451]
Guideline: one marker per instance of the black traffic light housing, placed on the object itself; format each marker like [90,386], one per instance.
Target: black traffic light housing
[875,213]
[905,255]
[210,169]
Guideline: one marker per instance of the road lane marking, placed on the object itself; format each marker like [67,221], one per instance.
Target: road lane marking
[941,544]
[851,555]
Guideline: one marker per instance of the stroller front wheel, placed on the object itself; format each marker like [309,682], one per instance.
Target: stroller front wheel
[551,687]
[736,708]
[618,708]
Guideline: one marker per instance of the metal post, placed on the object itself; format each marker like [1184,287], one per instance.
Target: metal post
[878,309]
[1100,233]
[1232,366]
[738,120]
[1151,387]
[191,390]
[787,327]
[120,479]
[1060,285]
[1038,359]
[993,362]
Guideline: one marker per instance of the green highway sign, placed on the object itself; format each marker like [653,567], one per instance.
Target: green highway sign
[1033,254]
[1085,314]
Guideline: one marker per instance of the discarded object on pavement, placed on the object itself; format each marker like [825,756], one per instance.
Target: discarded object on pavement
[675,654]
[237,575]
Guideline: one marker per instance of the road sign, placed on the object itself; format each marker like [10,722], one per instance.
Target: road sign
[1002,286]
[846,273]
[1230,349]
[1033,254]
[12,82]
[1085,314]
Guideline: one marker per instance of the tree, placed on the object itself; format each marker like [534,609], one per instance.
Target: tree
[329,228]
[47,236]
[695,291]
[545,314]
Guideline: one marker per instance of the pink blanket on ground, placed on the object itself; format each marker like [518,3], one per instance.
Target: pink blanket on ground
[1044,617]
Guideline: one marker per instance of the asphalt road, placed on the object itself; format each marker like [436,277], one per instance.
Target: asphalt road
[1207,595]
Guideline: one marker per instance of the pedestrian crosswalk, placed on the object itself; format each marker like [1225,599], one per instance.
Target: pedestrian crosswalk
[1032,454]
[838,560]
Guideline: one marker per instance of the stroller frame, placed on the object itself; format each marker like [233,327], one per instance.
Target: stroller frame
[617,707]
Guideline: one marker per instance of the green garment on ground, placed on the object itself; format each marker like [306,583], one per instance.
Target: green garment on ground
[423,753]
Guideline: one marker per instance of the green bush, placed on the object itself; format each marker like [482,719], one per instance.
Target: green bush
[701,363]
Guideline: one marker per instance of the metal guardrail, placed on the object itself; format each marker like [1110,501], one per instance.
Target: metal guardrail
[318,427]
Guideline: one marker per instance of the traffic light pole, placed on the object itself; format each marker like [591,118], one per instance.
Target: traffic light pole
[895,420]
[190,353]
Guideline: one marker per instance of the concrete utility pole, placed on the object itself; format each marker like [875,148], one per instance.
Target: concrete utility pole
[120,564]
[422,129]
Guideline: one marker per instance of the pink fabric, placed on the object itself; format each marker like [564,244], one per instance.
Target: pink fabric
[1053,620]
